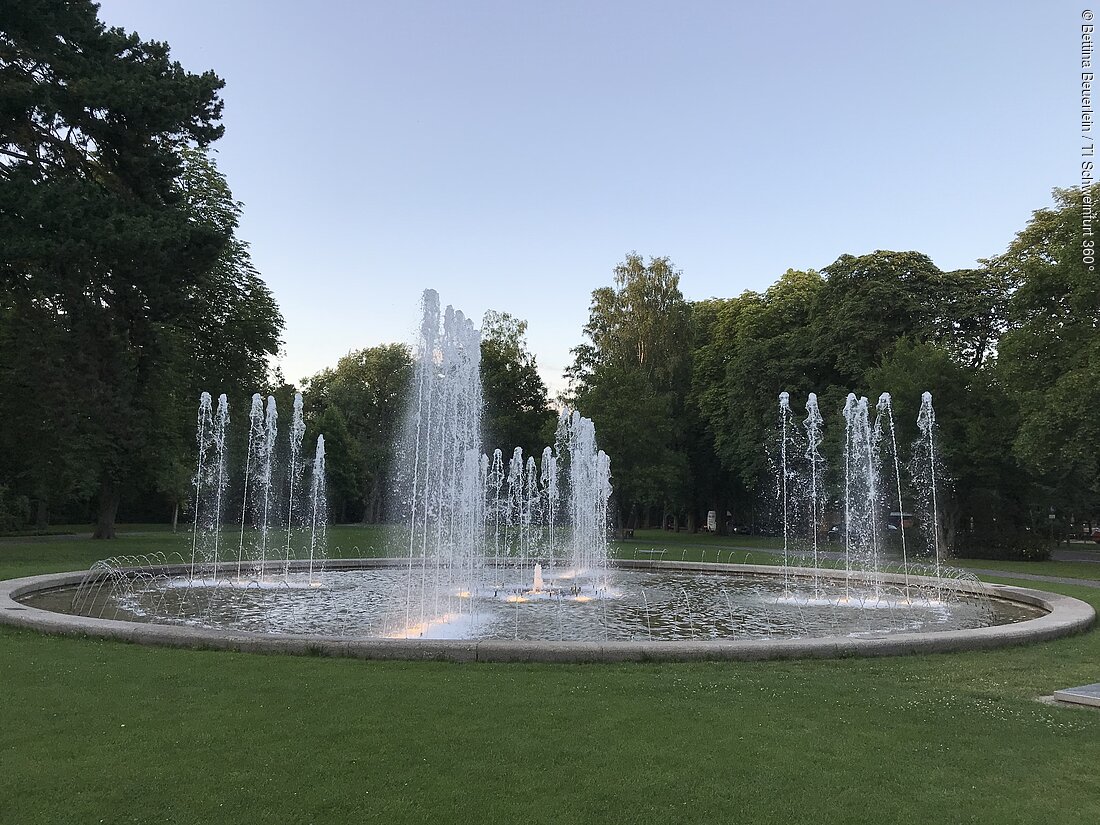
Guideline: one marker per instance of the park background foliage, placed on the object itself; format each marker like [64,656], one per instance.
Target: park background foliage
[125,291]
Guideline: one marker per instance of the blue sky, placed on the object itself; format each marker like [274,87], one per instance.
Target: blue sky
[509,154]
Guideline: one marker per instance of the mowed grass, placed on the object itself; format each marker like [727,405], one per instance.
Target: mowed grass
[97,731]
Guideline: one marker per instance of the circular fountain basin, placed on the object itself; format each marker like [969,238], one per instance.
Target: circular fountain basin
[645,611]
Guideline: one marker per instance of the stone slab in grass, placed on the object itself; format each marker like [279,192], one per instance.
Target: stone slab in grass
[1083,695]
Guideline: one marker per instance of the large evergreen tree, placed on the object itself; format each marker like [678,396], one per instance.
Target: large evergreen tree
[113,275]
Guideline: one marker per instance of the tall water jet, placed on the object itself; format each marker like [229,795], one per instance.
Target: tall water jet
[884,428]
[924,455]
[442,425]
[318,506]
[532,511]
[861,533]
[417,437]
[255,443]
[264,482]
[496,507]
[221,480]
[477,525]
[786,432]
[548,483]
[589,478]
[815,463]
[294,470]
[262,515]
[204,473]
[514,519]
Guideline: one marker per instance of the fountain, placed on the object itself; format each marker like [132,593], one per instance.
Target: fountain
[815,478]
[871,485]
[476,528]
[261,516]
[498,554]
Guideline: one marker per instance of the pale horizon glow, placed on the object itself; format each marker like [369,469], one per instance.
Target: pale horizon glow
[509,155]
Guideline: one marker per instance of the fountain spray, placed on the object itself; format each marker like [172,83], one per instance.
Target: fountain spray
[204,436]
[926,422]
[813,426]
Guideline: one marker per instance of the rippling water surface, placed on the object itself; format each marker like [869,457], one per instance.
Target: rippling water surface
[630,604]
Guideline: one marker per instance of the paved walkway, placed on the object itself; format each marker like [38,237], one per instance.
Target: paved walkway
[1074,554]
[1034,577]
[1062,554]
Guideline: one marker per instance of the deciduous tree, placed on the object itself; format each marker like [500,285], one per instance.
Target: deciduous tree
[361,403]
[631,377]
[517,408]
[1049,359]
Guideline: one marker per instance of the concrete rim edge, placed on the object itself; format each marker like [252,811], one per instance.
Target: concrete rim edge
[1066,616]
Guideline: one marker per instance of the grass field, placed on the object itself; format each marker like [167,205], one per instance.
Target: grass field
[97,731]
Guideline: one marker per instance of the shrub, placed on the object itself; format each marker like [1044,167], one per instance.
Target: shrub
[1004,546]
[14,511]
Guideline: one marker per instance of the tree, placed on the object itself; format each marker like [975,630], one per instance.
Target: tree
[869,323]
[976,423]
[234,322]
[1049,358]
[973,314]
[755,347]
[517,408]
[868,303]
[361,402]
[109,248]
[631,378]
[230,327]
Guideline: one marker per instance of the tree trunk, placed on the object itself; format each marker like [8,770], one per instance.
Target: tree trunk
[720,507]
[175,516]
[42,514]
[371,510]
[109,496]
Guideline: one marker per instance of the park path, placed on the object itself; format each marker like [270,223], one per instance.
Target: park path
[1060,554]
[1066,554]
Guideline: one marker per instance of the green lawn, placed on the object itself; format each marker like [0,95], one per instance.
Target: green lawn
[97,731]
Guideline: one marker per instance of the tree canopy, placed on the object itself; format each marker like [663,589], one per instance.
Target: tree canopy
[517,408]
[121,280]
[684,395]
[125,291]
[630,377]
[358,406]
[1049,357]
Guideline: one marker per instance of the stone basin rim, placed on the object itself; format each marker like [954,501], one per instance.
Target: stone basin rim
[1065,616]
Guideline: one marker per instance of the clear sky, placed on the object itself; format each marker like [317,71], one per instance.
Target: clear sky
[510,153]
